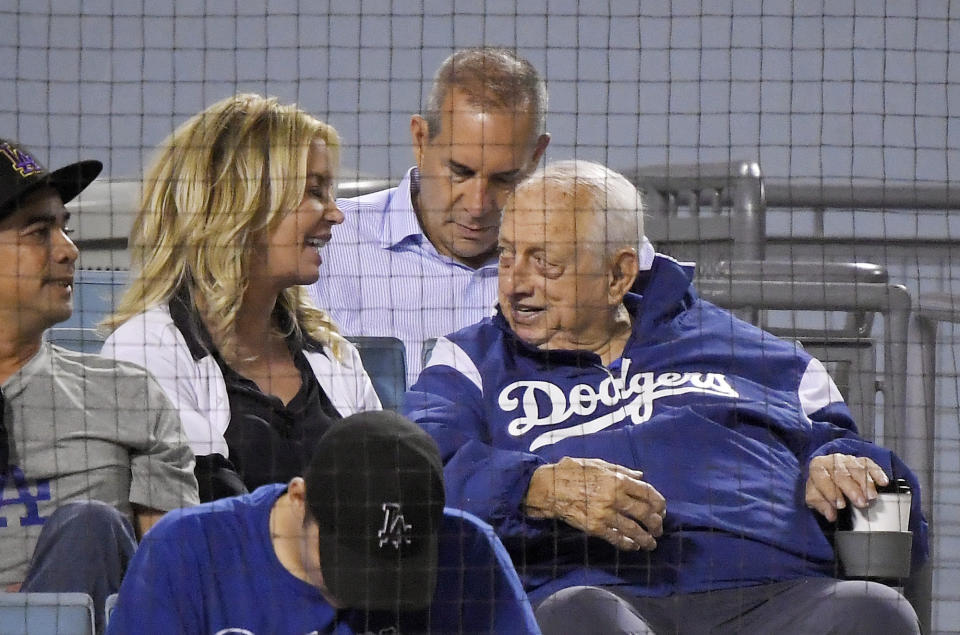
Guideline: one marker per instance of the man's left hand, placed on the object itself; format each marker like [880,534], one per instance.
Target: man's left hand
[834,478]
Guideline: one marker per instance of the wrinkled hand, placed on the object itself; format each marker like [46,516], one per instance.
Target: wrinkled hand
[837,477]
[600,498]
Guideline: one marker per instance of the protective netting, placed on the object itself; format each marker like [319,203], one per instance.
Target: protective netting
[849,109]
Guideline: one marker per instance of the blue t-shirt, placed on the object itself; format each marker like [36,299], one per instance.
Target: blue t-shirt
[213,569]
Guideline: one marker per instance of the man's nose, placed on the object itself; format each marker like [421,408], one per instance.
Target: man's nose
[64,249]
[520,280]
[479,199]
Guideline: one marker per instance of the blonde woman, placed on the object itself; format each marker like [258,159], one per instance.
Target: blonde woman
[237,206]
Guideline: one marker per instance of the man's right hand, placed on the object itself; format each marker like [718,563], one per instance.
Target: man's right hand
[603,499]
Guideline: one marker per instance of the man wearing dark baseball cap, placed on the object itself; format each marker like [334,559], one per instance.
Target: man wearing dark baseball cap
[91,451]
[21,174]
[376,494]
[361,543]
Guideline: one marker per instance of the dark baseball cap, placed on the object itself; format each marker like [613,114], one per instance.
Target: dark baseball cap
[21,174]
[375,489]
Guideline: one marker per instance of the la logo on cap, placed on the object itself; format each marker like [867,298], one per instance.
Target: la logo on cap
[20,160]
[395,529]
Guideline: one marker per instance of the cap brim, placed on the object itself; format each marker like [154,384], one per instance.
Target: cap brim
[376,584]
[72,179]
[68,181]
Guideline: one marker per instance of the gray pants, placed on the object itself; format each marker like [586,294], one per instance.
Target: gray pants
[809,605]
[84,547]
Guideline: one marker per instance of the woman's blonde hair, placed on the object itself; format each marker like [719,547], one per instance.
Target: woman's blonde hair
[216,186]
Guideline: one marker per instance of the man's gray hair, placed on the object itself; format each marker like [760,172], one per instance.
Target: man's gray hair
[491,79]
[617,203]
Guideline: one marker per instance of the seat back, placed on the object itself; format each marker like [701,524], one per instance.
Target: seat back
[427,350]
[108,605]
[33,613]
[384,360]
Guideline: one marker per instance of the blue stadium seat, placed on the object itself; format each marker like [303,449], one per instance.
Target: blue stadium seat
[383,358]
[41,613]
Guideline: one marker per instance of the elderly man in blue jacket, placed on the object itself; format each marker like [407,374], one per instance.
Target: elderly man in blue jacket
[649,461]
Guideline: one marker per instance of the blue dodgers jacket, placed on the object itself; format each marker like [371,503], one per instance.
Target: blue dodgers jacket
[721,417]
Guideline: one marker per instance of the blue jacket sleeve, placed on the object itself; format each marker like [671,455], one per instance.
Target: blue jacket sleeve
[834,431]
[489,483]
[894,468]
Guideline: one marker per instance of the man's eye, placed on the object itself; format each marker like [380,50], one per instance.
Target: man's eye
[69,231]
[37,231]
[548,268]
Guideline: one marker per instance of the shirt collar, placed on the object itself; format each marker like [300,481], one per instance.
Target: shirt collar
[646,255]
[17,381]
[400,223]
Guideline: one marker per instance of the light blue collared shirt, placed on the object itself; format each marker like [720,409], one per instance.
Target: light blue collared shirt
[381,276]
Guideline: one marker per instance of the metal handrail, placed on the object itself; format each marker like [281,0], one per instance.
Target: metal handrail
[867,196]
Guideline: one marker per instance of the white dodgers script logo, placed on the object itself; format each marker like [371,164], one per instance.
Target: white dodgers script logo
[634,396]
[395,529]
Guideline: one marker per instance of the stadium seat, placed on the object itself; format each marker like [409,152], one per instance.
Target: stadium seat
[427,349]
[932,308]
[42,613]
[109,604]
[383,358]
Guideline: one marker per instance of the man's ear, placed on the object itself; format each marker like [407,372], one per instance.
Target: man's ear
[542,142]
[624,266]
[419,136]
[297,491]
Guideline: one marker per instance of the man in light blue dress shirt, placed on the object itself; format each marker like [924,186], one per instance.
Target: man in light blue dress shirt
[419,260]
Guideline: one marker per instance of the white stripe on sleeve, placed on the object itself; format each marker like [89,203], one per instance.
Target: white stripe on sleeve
[446,353]
[817,389]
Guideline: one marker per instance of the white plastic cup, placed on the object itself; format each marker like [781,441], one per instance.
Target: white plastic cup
[889,511]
